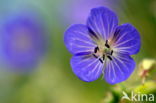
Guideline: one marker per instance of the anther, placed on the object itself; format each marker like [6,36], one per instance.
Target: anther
[111,52]
[103,57]
[107,44]
[100,60]
[96,49]
[109,57]
[95,56]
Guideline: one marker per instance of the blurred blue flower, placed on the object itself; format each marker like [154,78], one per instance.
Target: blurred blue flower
[23,41]
[102,47]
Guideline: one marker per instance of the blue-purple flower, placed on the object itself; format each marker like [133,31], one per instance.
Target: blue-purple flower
[102,47]
[23,41]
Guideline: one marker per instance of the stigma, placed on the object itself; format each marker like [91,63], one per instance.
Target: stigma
[103,51]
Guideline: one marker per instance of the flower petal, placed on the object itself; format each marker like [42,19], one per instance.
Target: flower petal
[127,39]
[102,22]
[87,68]
[119,69]
[77,40]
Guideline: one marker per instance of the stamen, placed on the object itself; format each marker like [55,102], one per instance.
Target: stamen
[103,57]
[111,52]
[100,60]
[107,44]
[96,49]
[95,56]
[109,57]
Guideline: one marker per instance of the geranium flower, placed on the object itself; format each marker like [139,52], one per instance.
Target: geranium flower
[23,41]
[102,47]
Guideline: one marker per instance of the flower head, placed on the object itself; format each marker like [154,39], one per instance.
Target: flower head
[22,41]
[102,47]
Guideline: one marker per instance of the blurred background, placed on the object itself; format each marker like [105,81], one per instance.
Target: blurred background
[34,63]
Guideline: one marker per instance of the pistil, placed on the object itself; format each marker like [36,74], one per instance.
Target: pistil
[101,52]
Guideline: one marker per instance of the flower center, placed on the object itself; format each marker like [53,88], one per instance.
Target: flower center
[103,51]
